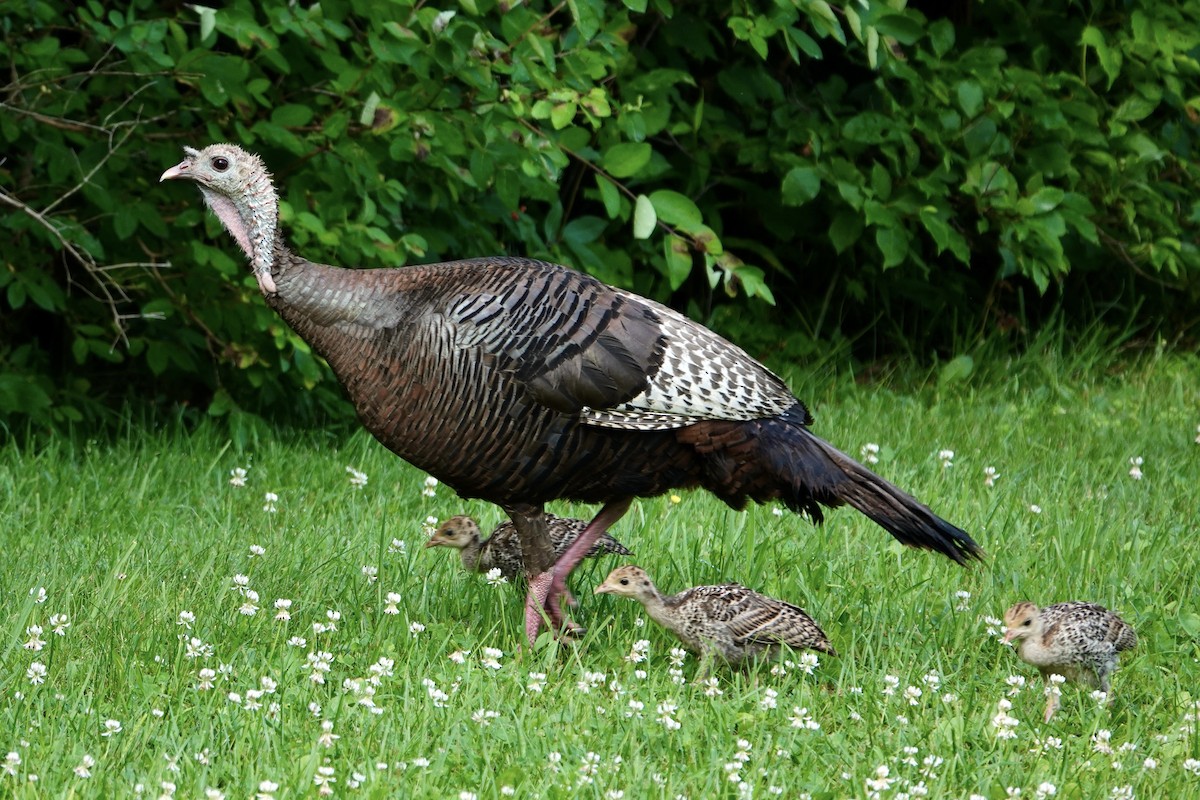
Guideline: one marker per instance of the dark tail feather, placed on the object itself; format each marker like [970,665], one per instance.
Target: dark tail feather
[817,472]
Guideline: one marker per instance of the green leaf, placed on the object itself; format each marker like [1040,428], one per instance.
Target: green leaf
[610,195]
[586,16]
[626,159]
[956,369]
[893,243]
[800,185]
[295,116]
[941,36]
[678,255]
[638,6]
[676,209]
[970,97]
[901,27]
[644,218]
[1110,59]
[367,116]
[847,226]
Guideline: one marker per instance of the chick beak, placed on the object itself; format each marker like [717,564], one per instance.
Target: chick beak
[603,588]
[434,542]
[1009,635]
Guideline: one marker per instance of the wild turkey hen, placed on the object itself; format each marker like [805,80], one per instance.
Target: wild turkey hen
[520,382]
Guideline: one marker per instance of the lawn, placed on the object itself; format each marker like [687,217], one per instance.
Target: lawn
[167,632]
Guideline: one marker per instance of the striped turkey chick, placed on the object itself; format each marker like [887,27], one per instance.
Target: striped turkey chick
[1079,641]
[727,622]
[502,549]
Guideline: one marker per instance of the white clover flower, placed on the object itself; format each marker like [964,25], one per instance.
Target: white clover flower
[769,700]
[186,618]
[38,593]
[964,599]
[808,663]
[1015,684]
[297,641]
[989,476]
[398,546]
[111,727]
[639,652]
[802,719]
[537,682]
[494,578]
[890,684]
[881,782]
[34,643]
[1198,434]
[265,789]
[324,780]
[932,680]
[206,677]
[370,572]
[711,687]
[430,489]
[1149,763]
[677,655]
[357,479]
[912,694]
[870,453]
[282,609]
[1035,509]
[257,550]
[392,608]
[665,710]
[1099,696]
[269,501]
[491,657]
[240,582]
[946,457]
[484,717]
[1135,469]
[1192,765]
[249,607]
[415,628]
[1044,790]
[237,476]
[327,738]
[11,762]
[589,681]
[459,656]
[36,673]
[59,624]
[84,770]
[1101,741]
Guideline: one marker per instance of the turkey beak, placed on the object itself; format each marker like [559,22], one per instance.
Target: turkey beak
[180,170]
[603,588]
[1009,635]
[432,543]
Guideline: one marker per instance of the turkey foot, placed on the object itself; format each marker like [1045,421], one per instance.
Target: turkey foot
[544,602]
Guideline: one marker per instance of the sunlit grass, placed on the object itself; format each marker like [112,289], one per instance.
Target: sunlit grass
[126,537]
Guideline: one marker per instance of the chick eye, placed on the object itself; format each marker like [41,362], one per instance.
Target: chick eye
[220,163]
[1027,623]
[624,581]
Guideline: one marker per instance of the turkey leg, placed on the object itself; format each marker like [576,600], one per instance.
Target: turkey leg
[548,588]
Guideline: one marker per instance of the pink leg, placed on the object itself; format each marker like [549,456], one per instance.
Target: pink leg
[547,589]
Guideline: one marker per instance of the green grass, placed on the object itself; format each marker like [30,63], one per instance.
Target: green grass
[124,536]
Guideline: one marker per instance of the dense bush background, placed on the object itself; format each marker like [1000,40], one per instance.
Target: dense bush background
[795,173]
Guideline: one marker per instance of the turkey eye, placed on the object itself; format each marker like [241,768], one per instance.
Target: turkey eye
[220,163]
[1027,623]
[624,581]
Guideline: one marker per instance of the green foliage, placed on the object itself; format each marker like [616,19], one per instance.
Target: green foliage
[844,162]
